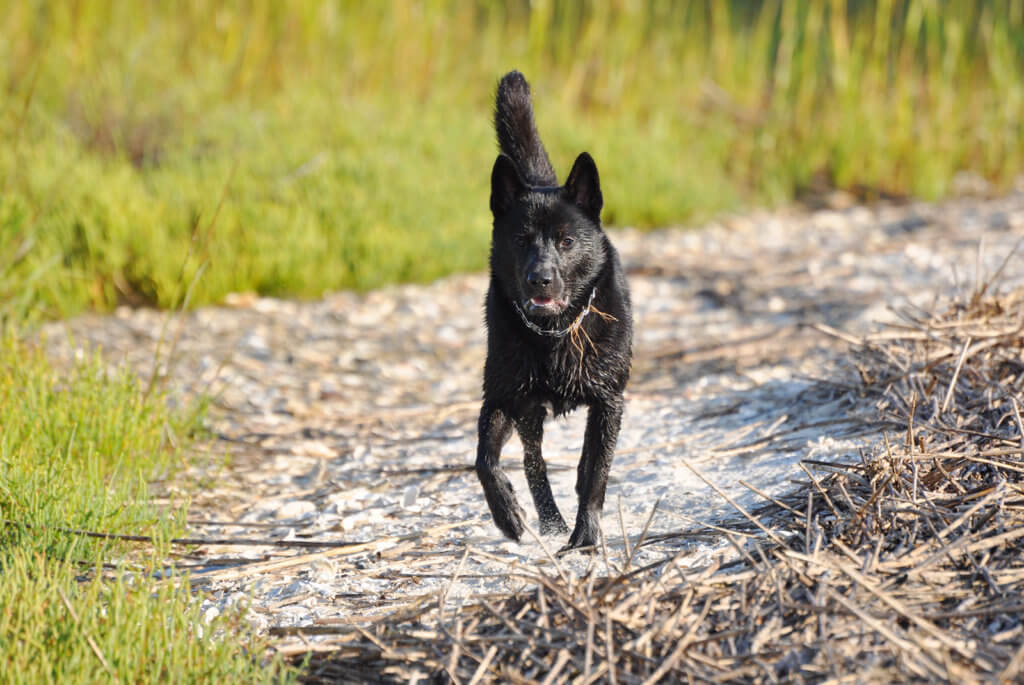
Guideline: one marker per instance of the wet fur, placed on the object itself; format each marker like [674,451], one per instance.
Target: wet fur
[548,254]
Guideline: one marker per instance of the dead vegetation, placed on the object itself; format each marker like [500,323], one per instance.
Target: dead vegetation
[905,566]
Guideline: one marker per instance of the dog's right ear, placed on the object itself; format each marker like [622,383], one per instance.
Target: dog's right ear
[506,185]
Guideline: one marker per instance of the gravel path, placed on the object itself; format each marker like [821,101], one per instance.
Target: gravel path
[352,419]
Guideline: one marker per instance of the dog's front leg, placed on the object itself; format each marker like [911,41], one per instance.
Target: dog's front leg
[530,426]
[603,422]
[495,427]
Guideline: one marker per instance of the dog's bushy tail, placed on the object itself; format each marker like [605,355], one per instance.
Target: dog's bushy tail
[517,131]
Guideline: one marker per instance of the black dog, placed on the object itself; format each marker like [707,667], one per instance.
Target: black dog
[559,322]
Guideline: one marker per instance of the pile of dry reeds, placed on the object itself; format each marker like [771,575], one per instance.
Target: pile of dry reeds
[906,566]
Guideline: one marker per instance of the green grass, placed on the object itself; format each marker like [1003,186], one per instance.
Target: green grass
[77,451]
[301,147]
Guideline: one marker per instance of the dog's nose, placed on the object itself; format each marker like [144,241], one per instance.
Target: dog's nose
[540,277]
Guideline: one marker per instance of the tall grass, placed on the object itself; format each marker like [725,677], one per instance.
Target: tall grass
[78,450]
[75,447]
[351,141]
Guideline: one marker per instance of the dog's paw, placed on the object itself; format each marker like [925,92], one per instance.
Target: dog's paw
[581,540]
[569,547]
[585,536]
[510,522]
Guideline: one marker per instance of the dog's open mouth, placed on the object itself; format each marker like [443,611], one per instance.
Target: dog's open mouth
[540,304]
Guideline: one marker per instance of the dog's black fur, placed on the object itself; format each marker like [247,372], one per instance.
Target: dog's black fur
[559,322]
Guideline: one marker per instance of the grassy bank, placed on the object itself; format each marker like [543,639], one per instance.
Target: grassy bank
[77,451]
[295,148]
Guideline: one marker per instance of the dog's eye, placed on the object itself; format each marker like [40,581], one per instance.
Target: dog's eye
[566,243]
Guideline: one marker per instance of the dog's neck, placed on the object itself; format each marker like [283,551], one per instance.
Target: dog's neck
[556,333]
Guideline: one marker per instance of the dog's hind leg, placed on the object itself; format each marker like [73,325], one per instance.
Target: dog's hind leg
[603,423]
[495,427]
[530,426]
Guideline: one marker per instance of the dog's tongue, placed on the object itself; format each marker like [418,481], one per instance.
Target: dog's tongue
[541,301]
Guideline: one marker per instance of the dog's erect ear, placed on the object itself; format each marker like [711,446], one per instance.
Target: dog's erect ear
[583,187]
[506,185]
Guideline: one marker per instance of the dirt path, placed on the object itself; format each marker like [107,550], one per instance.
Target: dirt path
[350,422]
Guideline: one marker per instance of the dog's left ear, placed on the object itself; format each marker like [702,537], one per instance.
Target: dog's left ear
[583,187]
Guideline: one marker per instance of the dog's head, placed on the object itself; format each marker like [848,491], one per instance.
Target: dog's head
[548,245]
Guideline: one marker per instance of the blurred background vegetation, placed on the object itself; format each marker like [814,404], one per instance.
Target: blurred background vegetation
[293,148]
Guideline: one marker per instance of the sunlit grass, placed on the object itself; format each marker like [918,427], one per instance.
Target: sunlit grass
[78,450]
[54,628]
[296,148]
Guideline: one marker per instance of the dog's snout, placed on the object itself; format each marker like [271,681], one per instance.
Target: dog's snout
[541,277]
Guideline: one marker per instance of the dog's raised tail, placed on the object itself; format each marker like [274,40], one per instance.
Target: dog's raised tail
[517,131]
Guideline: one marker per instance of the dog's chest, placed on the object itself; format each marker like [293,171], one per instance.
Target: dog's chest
[563,379]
